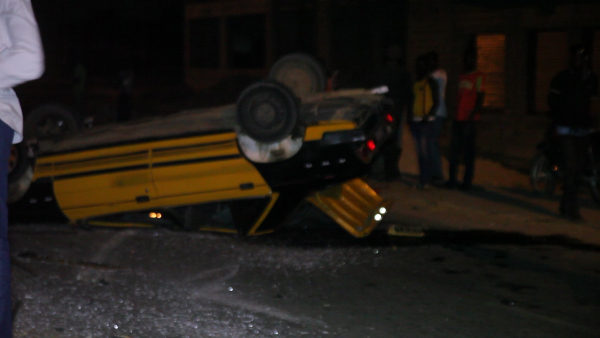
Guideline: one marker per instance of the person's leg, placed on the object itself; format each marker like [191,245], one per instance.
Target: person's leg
[576,163]
[568,205]
[416,128]
[454,155]
[469,144]
[428,141]
[391,159]
[401,125]
[437,172]
[6,136]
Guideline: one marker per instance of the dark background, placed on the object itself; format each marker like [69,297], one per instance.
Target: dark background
[110,35]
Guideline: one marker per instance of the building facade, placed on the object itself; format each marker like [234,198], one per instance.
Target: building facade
[521,44]
[227,38]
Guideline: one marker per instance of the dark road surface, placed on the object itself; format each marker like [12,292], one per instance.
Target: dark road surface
[307,281]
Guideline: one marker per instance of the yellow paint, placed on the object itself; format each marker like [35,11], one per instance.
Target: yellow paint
[75,214]
[190,170]
[264,214]
[315,132]
[353,205]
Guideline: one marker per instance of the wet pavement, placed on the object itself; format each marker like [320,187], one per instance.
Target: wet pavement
[310,279]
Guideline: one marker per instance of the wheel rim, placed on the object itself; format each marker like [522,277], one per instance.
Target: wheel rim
[50,126]
[265,116]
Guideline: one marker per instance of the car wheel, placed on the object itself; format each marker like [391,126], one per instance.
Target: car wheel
[18,161]
[302,73]
[18,188]
[267,112]
[48,121]
[20,172]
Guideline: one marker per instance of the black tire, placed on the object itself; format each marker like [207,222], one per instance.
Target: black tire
[18,188]
[302,73]
[267,111]
[543,175]
[18,162]
[49,121]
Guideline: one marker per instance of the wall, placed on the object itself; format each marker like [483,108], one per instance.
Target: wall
[448,28]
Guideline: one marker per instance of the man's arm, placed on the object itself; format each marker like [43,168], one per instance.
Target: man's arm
[22,59]
[410,97]
[480,87]
[435,93]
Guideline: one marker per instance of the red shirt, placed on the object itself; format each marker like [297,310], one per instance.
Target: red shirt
[468,86]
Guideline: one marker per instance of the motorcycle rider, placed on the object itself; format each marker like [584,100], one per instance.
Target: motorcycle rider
[570,102]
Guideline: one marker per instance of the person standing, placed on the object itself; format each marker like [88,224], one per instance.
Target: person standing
[570,102]
[422,118]
[21,60]
[471,93]
[399,83]
[441,114]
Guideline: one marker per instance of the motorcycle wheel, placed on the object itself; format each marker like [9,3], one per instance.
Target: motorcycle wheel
[595,184]
[543,175]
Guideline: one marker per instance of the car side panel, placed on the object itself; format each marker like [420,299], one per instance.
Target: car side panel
[157,174]
[209,167]
[101,180]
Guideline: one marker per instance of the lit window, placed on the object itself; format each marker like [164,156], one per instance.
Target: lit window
[491,55]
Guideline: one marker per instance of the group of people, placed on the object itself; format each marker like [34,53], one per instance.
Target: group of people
[422,104]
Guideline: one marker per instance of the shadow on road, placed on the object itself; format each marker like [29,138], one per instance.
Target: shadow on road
[585,200]
[497,197]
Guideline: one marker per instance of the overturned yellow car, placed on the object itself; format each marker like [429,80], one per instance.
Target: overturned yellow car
[239,168]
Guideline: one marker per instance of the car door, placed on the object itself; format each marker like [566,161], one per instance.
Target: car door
[204,168]
[101,181]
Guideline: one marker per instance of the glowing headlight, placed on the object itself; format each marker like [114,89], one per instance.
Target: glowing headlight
[382,210]
[378,217]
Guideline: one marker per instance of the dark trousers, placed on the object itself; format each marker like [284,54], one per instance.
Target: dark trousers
[462,142]
[575,157]
[391,150]
[391,153]
[6,137]
[434,151]
[423,135]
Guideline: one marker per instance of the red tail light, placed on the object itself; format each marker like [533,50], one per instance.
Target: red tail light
[371,145]
[389,118]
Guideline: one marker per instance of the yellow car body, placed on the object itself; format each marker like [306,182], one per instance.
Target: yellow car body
[176,166]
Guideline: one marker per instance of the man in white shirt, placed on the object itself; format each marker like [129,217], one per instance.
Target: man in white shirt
[441,114]
[21,60]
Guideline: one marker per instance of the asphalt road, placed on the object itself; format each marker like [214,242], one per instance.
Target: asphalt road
[309,280]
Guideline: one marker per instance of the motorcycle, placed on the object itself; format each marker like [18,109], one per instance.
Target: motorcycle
[547,169]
